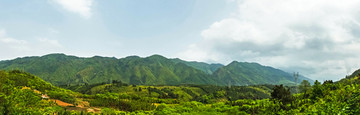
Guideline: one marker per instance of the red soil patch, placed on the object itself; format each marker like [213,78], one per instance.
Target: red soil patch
[61,103]
[78,108]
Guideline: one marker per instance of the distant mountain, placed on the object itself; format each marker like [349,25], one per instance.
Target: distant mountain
[244,73]
[60,69]
[205,67]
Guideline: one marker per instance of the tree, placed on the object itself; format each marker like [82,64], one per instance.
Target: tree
[283,95]
[317,90]
[304,87]
[328,82]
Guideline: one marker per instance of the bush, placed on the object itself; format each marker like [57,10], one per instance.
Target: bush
[61,95]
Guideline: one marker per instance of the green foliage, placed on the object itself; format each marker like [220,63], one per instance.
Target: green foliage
[283,95]
[89,89]
[125,103]
[16,100]
[107,111]
[341,97]
[62,95]
[194,107]
[317,91]
[326,98]
[305,86]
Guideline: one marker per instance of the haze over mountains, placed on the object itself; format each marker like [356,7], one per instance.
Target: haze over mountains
[61,69]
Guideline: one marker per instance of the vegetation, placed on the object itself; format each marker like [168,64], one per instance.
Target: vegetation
[207,68]
[252,74]
[21,93]
[327,98]
[60,69]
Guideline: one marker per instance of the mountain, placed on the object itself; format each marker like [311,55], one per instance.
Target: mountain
[244,73]
[158,70]
[207,68]
[61,69]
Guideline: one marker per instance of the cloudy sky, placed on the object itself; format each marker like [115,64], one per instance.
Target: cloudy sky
[318,38]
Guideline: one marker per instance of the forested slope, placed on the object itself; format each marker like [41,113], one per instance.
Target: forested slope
[60,69]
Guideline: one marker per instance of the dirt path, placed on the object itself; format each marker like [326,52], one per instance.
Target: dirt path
[80,107]
[61,103]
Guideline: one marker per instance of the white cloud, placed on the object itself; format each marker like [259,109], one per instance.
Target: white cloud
[317,38]
[19,48]
[49,42]
[8,43]
[82,7]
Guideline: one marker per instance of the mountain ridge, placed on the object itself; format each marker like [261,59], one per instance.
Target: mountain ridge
[61,69]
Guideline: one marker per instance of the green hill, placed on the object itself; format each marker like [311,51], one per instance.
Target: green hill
[21,93]
[244,73]
[60,69]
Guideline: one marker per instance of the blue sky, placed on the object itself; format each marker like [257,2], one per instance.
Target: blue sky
[316,38]
[111,28]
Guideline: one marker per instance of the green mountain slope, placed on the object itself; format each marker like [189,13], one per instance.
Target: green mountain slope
[158,70]
[207,68]
[243,73]
[60,69]
[21,93]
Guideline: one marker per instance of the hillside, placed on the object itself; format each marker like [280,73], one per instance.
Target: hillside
[330,97]
[181,93]
[244,73]
[158,70]
[60,69]
[205,67]
[22,92]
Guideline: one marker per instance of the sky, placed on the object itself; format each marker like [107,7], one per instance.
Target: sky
[319,39]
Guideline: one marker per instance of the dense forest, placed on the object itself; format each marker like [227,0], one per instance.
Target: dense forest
[60,69]
[24,93]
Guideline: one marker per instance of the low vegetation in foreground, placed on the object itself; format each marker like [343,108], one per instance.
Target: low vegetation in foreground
[23,93]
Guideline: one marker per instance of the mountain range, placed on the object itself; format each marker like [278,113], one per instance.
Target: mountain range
[61,69]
